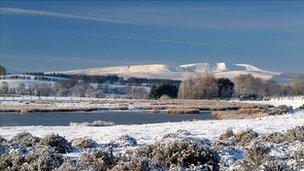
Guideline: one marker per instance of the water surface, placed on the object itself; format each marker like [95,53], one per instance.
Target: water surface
[64,118]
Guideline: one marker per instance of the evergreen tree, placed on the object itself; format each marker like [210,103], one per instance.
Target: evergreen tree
[2,70]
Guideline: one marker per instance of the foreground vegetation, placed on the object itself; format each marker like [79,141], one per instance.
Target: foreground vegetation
[246,150]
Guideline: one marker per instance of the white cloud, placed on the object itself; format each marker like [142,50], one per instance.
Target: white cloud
[61,15]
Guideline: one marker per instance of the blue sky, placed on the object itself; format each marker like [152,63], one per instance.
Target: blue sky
[60,35]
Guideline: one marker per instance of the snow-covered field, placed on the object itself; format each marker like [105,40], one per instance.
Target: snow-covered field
[231,155]
[294,101]
[151,132]
[148,133]
[28,83]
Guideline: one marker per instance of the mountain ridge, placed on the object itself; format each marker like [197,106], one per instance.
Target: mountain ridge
[163,71]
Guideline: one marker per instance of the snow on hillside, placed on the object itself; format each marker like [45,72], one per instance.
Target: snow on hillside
[176,72]
[29,80]
[28,83]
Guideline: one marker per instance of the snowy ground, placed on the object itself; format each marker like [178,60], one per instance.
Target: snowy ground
[294,101]
[148,133]
[210,129]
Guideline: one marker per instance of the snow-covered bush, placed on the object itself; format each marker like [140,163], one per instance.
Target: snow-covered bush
[26,139]
[39,157]
[245,137]
[170,135]
[256,154]
[184,152]
[246,150]
[98,160]
[84,143]
[171,153]
[5,162]
[59,143]
[289,136]
[275,137]
[69,165]
[273,151]
[124,141]
[98,123]
[2,139]
[298,156]
[263,156]
[3,146]
[226,139]
[183,132]
[44,158]
[280,110]
[137,164]
[227,134]
[295,134]
[301,107]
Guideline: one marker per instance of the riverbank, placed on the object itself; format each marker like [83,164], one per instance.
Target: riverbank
[231,144]
[61,104]
[146,133]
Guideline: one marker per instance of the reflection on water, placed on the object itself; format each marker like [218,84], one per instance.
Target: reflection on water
[64,118]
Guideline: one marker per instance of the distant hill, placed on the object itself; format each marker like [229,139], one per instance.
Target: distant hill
[162,71]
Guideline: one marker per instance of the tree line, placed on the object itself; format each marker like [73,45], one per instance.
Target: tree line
[100,79]
[206,86]
[203,86]
[73,88]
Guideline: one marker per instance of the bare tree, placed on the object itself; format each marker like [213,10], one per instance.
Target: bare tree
[44,89]
[203,86]
[78,90]
[137,93]
[298,86]
[247,84]
[63,88]
[285,90]
[186,89]
[270,88]
[21,89]
[89,91]
[206,87]
[4,88]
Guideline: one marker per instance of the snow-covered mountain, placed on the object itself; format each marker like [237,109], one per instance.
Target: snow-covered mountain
[176,72]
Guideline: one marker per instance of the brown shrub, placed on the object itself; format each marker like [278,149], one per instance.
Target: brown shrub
[84,143]
[136,164]
[245,137]
[124,141]
[183,132]
[183,111]
[227,134]
[280,110]
[236,115]
[98,160]
[289,136]
[184,152]
[26,139]
[58,142]
[299,155]
[255,156]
